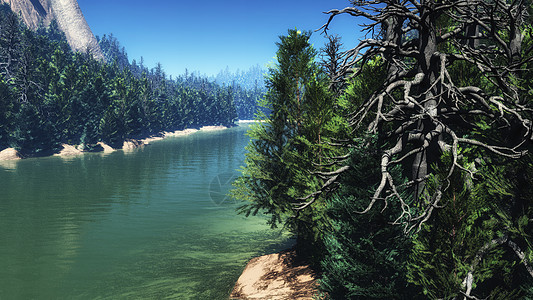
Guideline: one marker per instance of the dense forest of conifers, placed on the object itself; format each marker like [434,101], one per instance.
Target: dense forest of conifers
[50,95]
[403,164]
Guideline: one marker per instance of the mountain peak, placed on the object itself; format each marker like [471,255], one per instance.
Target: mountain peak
[68,15]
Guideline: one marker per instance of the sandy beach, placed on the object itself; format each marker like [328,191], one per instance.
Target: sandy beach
[128,145]
[276,276]
[10,154]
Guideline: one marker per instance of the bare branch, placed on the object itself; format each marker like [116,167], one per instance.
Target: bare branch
[521,255]
[421,110]
[469,279]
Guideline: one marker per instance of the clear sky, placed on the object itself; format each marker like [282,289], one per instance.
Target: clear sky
[208,35]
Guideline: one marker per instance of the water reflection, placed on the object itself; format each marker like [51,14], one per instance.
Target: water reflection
[126,225]
[8,165]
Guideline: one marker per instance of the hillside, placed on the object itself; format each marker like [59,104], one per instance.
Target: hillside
[67,14]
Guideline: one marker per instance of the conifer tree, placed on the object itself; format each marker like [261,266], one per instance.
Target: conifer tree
[6,103]
[365,256]
[284,143]
[33,134]
[467,248]
[51,95]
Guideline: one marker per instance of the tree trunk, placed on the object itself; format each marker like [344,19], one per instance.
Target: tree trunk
[427,66]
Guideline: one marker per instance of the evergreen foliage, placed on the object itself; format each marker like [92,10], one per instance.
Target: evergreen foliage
[472,226]
[50,95]
[365,256]
[285,142]
[5,113]
[471,235]
[248,88]
[466,245]
[113,51]
[472,217]
[251,79]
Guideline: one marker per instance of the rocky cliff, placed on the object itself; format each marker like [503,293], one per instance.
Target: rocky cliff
[68,15]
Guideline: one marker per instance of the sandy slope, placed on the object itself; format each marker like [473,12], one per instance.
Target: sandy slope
[276,276]
[9,154]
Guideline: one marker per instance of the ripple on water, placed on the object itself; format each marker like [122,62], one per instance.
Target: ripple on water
[128,226]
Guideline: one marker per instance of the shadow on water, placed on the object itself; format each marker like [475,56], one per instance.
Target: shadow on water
[142,224]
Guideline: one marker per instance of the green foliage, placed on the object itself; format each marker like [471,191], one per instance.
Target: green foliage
[373,75]
[288,142]
[6,109]
[453,242]
[248,88]
[468,236]
[50,95]
[112,50]
[366,256]
[32,132]
[247,101]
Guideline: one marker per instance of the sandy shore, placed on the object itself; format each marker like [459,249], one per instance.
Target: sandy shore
[177,133]
[10,154]
[69,150]
[276,276]
[106,147]
[129,144]
[213,128]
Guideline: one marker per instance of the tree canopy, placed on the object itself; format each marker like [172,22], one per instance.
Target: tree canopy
[423,161]
[51,95]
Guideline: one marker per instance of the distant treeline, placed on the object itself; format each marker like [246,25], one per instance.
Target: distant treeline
[50,95]
[248,86]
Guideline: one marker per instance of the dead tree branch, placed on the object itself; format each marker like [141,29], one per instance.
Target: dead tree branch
[422,108]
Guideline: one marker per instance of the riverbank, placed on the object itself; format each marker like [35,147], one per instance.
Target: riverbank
[139,225]
[128,145]
[276,276]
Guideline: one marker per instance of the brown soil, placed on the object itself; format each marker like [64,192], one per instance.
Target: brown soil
[276,276]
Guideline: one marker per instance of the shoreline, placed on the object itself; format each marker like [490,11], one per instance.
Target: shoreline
[276,276]
[10,154]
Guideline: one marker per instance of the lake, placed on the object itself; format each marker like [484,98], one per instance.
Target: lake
[152,223]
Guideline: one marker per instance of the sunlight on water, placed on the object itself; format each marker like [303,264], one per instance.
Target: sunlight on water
[151,223]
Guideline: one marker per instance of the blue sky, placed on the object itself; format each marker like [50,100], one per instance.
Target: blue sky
[207,36]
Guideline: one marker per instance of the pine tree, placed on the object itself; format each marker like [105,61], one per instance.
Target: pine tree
[284,143]
[6,107]
[465,248]
[72,98]
[365,256]
[33,134]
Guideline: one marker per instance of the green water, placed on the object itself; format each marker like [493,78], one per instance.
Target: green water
[148,224]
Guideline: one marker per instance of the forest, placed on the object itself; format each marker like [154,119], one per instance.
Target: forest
[50,95]
[402,164]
